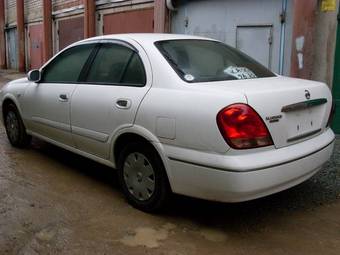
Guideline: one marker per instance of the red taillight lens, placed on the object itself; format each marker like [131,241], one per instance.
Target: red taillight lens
[242,128]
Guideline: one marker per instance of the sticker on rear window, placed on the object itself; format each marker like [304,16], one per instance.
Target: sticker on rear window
[241,73]
[189,77]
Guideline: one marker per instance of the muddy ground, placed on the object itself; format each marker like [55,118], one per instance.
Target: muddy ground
[55,202]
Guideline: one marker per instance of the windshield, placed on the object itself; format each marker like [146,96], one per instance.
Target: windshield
[203,60]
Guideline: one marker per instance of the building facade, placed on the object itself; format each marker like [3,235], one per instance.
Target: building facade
[55,24]
[291,37]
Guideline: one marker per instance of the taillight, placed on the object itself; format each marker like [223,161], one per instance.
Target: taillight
[242,128]
[331,115]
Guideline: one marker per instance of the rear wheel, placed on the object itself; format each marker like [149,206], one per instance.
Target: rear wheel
[15,129]
[143,178]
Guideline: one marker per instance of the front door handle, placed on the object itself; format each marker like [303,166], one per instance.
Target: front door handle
[63,98]
[123,103]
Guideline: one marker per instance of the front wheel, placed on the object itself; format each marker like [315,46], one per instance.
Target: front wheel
[15,129]
[143,178]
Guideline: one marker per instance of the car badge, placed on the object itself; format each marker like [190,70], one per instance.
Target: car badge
[307,94]
[273,119]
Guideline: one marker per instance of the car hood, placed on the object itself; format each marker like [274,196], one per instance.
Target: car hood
[18,83]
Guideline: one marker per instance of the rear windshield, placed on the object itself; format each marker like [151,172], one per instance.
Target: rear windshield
[203,61]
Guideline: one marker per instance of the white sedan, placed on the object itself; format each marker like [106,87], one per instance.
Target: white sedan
[175,113]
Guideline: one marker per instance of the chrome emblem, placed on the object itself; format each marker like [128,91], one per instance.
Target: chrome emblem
[307,94]
[275,118]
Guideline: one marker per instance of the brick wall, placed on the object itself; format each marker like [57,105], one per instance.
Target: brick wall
[64,4]
[33,10]
[10,13]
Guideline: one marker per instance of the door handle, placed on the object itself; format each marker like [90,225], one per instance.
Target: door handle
[123,103]
[63,98]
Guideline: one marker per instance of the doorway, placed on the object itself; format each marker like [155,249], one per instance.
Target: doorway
[35,37]
[136,21]
[70,30]
[12,52]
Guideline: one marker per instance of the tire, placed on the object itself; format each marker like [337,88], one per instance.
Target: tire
[143,178]
[15,129]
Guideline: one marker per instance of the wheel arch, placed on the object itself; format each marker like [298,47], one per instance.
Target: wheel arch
[9,99]
[136,133]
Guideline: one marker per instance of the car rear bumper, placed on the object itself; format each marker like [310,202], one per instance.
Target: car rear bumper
[232,185]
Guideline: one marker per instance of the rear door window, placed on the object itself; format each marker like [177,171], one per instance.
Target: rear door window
[116,64]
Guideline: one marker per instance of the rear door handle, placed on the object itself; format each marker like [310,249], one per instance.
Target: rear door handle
[63,98]
[123,103]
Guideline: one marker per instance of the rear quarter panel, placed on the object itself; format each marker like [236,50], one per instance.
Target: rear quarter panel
[186,117]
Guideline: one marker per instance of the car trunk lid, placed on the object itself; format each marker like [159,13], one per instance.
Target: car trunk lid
[293,110]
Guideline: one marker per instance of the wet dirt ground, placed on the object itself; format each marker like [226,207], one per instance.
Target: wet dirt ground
[55,202]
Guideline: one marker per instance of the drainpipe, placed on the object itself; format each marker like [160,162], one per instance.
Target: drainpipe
[161,17]
[21,35]
[89,18]
[47,33]
[283,36]
[2,35]
[170,5]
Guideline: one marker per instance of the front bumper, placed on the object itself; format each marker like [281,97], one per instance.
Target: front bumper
[235,185]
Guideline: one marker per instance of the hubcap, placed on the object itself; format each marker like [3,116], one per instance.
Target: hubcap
[12,126]
[139,176]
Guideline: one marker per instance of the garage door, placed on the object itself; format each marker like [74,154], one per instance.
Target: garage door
[256,42]
[137,21]
[12,50]
[70,31]
[35,35]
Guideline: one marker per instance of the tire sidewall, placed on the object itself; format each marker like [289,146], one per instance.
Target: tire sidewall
[22,138]
[161,192]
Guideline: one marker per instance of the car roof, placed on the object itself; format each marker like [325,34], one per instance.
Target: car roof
[147,37]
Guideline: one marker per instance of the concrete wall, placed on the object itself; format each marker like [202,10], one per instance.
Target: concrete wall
[324,45]
[302,55]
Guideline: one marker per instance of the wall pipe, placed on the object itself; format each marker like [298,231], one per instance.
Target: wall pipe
[47,33]
[21,35]
[283,36]
[2,35]
[170,5]
[89,18]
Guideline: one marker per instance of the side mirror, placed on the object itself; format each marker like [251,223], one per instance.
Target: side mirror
[34,75]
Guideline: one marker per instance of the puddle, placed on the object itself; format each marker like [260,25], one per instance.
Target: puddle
[148,237]
[213,235]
